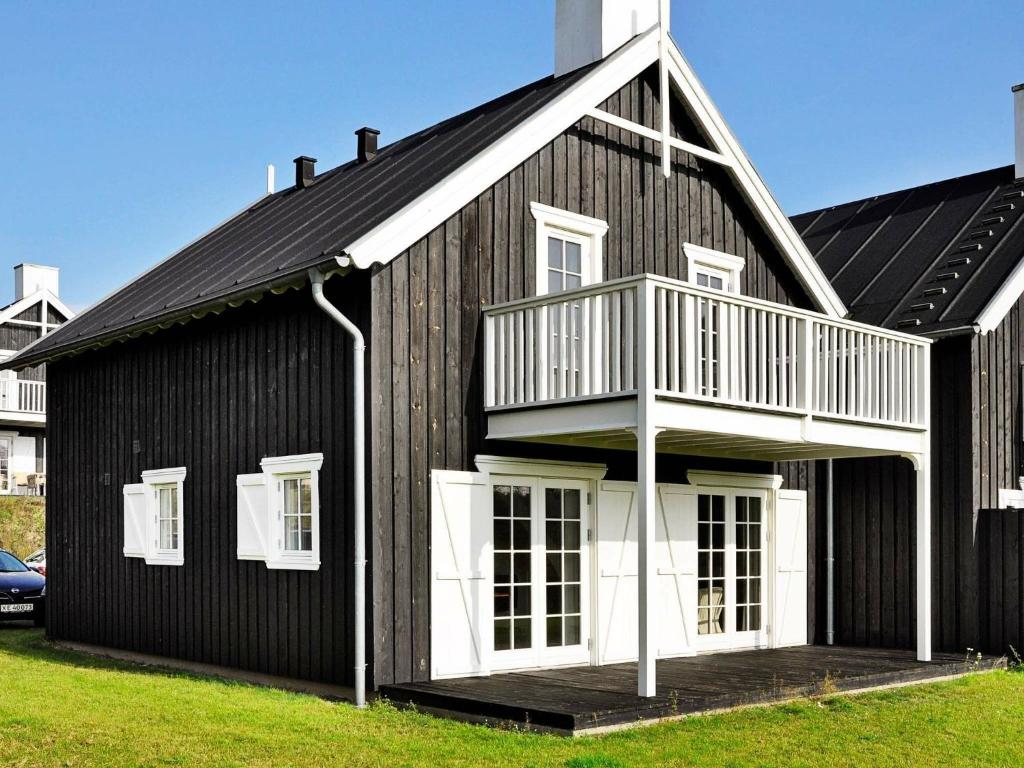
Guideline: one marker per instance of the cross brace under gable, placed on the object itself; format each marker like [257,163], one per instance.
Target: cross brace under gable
[655,46]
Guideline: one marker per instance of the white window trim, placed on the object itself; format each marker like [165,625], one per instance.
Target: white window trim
[276,469]
[588,231]
[702,478]
[726,265]
[540,468]
[539,474]
[1012,498]
[154,479]
[734,639]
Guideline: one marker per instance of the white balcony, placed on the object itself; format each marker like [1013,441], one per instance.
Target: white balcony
[727,375]
[651,365]
[22,402]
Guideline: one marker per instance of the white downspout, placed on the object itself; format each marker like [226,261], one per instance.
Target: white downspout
[830,561]
[316,280]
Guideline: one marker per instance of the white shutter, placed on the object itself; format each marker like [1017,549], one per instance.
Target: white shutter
[461,606]
[676,562]
[252,516]
[616,572]
[789,541]
[135,520]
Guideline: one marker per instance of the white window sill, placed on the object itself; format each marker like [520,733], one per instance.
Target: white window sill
[293,565]
[158,559]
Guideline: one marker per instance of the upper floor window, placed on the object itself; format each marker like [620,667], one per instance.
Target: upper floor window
[713,269]
[570,250]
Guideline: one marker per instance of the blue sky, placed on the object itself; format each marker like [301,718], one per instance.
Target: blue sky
[128,128]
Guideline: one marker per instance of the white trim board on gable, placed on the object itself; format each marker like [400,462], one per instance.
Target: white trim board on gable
[386,241]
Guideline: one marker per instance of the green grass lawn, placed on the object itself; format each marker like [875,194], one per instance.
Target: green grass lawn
[64,708]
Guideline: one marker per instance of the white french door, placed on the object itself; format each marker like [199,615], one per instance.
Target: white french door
[541,572]
[731,569]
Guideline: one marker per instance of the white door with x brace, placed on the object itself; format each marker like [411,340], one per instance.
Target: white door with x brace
[675,571]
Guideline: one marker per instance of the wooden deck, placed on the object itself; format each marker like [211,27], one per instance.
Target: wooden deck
[577,699]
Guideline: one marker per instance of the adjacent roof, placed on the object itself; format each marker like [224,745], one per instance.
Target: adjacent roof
[358,215]
[933,259]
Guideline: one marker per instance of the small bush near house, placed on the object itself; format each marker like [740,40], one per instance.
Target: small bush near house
[22,524]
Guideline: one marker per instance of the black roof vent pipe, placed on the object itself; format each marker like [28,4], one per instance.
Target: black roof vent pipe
[305,171]
[367,147]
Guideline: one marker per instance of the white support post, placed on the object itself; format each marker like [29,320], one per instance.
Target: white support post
[666,147]
[646,490]
[922,465]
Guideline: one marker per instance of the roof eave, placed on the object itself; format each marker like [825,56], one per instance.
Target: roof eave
[293,279]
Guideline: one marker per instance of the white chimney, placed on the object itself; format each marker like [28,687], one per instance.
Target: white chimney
[1018,108]
[29,278]
[589,30]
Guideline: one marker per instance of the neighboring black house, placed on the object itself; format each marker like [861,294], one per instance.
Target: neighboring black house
[591,333]
[946,261]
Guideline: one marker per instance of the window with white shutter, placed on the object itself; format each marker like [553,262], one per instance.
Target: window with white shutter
[278,513]
[154,517]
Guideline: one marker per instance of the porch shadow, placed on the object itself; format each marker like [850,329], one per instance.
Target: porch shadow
[581,699]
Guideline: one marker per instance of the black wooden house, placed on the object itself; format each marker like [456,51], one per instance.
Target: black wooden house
[602,369]
[946,261]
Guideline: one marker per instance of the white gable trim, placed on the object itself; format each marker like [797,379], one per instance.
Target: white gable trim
[751,184]
[418,218]
[20,306]
[1000,304]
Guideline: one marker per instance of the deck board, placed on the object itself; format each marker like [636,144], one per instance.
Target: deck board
[575,699]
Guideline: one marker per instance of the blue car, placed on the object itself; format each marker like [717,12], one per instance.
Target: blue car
[22,591]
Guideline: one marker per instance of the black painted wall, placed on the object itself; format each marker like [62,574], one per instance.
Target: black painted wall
[216,396]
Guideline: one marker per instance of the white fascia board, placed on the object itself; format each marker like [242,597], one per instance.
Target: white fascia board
[31,300]
[1000,304]
[59,305]
[753,186]
[418,218]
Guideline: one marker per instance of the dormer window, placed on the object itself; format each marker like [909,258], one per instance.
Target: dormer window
[569,249]
[713,269]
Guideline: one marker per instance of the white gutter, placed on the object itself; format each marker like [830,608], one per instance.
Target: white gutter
[316,280]
[830,561]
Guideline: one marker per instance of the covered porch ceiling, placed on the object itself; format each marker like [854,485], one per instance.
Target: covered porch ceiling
[699,429]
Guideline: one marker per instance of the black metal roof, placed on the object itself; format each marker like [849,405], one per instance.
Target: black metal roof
[926,259]
[278,238]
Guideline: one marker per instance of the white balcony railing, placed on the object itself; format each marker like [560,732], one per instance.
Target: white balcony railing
[708,346]
[23,396]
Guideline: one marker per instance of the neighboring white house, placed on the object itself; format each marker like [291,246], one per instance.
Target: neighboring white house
[35,311]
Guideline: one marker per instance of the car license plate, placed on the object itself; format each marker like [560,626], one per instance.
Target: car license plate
[16,608]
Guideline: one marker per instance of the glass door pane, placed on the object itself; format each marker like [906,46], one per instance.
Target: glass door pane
[513,625]
[563,579]
[748,563]
[711,610]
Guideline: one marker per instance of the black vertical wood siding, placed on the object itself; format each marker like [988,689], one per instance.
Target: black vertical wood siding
[1000,581]
[427,333]
[215,396]
[875,507]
